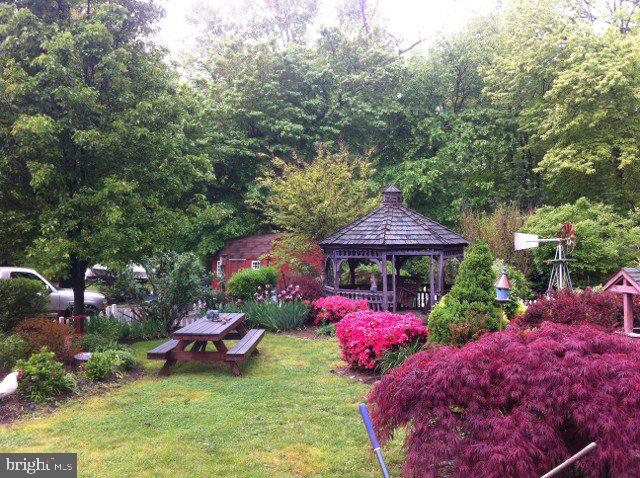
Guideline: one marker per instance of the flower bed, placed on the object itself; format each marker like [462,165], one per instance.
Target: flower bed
[366,336]
[517,403]
[334,308]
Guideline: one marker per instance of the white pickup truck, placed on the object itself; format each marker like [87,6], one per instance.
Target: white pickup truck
[60,300]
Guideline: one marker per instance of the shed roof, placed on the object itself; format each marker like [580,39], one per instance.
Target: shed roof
[394,225]
[250,247]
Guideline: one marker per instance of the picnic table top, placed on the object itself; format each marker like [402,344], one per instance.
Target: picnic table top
[205,328]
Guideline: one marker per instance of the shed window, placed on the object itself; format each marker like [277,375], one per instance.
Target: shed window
[256,265]
[219,268]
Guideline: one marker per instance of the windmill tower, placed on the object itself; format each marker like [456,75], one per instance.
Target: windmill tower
[560,277]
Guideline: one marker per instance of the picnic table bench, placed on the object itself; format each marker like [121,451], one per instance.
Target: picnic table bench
[197,334]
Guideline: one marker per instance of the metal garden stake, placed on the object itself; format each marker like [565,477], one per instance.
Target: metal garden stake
[374,439]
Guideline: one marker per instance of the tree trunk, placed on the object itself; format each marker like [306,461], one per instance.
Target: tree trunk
[78,269]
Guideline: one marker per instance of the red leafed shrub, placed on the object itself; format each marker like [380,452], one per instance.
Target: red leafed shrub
[516,404]
[334,308]
[41,331]
[307,286]
[601,309]
[366,336]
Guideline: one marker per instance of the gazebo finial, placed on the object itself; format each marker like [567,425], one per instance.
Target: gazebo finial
[391,195]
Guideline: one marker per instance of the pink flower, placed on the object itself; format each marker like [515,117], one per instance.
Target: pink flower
[334,308]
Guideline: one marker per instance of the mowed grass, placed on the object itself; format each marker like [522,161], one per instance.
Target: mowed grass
[287,416]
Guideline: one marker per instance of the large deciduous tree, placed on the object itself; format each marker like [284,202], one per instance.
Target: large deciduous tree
[96,129]
[317,198]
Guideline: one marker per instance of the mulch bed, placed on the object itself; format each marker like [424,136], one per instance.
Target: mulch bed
[16,407]
[309,332]
[365,377]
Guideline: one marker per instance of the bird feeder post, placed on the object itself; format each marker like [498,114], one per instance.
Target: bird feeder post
[502,287]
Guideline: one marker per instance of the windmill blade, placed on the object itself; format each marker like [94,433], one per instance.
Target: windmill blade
[525,241]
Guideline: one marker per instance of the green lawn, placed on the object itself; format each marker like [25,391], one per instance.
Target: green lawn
[287,416]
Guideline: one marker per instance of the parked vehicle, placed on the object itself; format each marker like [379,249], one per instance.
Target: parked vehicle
[60,300]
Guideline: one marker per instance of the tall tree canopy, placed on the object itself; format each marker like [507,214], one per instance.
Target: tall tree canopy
[107,154]
[96,132]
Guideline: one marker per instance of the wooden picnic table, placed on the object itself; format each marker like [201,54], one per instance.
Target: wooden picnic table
[197,334]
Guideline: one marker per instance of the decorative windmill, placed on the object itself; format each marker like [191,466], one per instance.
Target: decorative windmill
[560,278]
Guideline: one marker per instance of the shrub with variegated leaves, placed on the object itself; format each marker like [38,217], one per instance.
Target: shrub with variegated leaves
[366,336]
[516,404]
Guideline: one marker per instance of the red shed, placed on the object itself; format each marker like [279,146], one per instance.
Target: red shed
[242,253]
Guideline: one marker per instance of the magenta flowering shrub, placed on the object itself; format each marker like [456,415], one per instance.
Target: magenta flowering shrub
[334,308]
[366,336]
[516,404]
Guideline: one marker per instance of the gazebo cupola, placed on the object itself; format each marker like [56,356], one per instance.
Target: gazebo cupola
[392,195]
[390,235]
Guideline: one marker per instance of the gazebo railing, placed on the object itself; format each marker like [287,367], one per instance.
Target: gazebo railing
[375,299]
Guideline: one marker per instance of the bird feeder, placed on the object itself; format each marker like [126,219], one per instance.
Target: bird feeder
[502,286]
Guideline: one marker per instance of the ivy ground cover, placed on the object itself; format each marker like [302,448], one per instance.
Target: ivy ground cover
[286,417]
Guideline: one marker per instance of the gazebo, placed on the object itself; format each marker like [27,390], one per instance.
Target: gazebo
[389,236]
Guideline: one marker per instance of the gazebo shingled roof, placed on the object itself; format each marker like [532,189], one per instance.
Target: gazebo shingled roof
[394,224]
[390,233]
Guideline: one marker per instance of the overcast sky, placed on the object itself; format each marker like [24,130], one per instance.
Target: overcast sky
[408,19]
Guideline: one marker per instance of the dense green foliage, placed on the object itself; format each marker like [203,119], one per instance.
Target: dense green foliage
[102,366]
[12,349]
[19,299]
[178,282]
[471,301]
[244,284]
[103,331]
[43,378]
[606,240]
[318,198]
[95,136]
[107,155]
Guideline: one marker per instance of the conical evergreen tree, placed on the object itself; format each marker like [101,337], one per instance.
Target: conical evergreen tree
[469,308]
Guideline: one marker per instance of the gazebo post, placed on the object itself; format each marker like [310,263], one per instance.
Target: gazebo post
[440,274]
[385,299]
[393,280]
[431,284]
[352,273]
[336,277]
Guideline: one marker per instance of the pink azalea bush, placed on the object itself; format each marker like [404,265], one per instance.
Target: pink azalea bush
[366,336]
[516,404]
[334,308]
